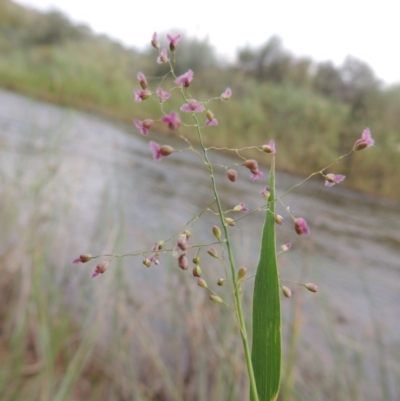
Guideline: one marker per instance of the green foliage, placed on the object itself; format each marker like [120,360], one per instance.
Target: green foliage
[314,112]
[266,346]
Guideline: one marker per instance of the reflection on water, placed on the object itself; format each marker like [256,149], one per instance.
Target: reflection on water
[102,192]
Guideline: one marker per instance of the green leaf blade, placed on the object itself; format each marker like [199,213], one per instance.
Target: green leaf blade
[266,345]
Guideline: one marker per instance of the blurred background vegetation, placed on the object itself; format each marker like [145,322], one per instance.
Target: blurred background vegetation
[314,111]
[54,346]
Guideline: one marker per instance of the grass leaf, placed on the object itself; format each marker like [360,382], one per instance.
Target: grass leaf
[266,347]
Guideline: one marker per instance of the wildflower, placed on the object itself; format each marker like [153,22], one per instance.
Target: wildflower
[265,192]
[226,95]
[154,42]
[82,258]
[143,126]
[301,227]
[252,165]
[142,80]
[270,147]
[162,95]
[163,57]
[332,179]
[365,141]
[159,151]
[172,119]
[193,106]
[173,41]
[286,247]
[185,79]
[232,175]
[141,95]
[241,207]
[100,268]
[257,175]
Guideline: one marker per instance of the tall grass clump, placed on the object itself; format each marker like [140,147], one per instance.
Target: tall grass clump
[196,125]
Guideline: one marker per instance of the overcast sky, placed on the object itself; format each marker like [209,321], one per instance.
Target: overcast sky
[324,30]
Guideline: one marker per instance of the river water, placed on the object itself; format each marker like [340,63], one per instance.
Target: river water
[93,185]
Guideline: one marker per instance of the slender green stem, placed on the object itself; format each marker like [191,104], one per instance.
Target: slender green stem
[238,304]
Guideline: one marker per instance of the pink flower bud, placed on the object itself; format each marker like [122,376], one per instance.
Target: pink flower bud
[100,268]
[173,41]
[183,262]
[333,179]
[226,95]
[251,164]
[82,258]
[365,141]
[301,227]
[311,287]
[142,95]
[270,147]
[154,42]
[232,175]
[183,242]
[241,207]
[142,80]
